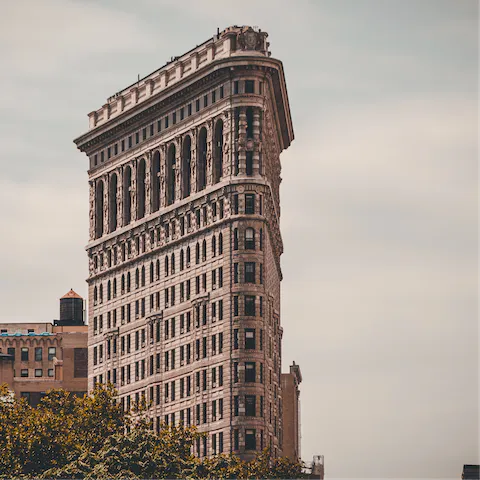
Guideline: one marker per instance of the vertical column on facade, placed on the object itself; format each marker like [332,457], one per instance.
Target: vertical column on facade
[242,140]
[193,161]
[133,191]
[120,198]
[106,189]
[209,172]
[226,148]
[91,184]
[256,141]
[178,166]
[163,168]
[148,190]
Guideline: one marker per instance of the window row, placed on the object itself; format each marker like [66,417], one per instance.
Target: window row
[201,317]
[247,372]
[247,305]
[38,372]
[248,240]
[246,272]
[176,357]
[158,126]
[38,353]
[139,187]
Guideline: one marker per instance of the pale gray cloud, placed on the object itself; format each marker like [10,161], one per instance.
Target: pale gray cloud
[379,199]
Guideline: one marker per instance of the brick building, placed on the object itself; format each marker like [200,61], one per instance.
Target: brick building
[36,357]
[185,244]
[291,412]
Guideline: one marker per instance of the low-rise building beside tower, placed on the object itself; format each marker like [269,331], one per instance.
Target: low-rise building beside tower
[36,357]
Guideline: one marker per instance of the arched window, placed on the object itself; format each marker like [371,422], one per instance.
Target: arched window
[151,272]
[197,253]
[202,159]
[112,203]
[95,295]
[204,250]
[235,239]
[141,189]
[218,152]
[182,260]
[109,290]
[114,287]
[171,174]
[220,243]
[122,284]
[137,278]
[172,263]
[155,181]
[186,166]
[127,199]
[188,257]
[249,239]
[166,265]
[157,272]
[99,209]
[128,282]
[143,276]
[214,246]
[100,293]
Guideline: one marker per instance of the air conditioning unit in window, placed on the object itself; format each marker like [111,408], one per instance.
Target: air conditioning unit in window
[214,384]
[182,330]
[181,363]
[197,389]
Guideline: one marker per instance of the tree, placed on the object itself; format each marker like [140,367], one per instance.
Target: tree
[93,438]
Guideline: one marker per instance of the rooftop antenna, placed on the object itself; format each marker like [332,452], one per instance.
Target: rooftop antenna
[138,79]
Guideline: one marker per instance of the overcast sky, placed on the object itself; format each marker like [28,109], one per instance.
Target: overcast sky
[379,199]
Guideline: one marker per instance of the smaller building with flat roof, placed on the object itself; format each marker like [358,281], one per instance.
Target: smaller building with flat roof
[36,357]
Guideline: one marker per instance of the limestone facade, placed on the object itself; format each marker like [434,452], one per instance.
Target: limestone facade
[185,244]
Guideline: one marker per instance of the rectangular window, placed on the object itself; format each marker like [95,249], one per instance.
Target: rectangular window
[24,372]
[250,338]
[50,372]
[11,351]
[166,122]
[174,118]
[214,96]
[235,87]
[205,101]
[159,125]
[151,130]
[249,305]
[249,162]
[250,372]
[137,137]
[250,203]
[249,272]
[144,134]
[197,105]
[38,372]
[189,109]
[250,410]
[235,339]
[221,92]
[235,204]
[249,86]
[130,141]
[250,441]
[235,306]
[38,354]
[24,354]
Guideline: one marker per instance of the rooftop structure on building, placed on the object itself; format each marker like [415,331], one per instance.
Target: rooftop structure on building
[185,243]
[36,357]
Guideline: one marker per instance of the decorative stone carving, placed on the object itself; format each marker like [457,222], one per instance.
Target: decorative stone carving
[249,39]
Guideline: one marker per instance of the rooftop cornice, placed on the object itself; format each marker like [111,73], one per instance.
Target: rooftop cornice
[234,47]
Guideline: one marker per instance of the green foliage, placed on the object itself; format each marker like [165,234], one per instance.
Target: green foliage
[67,437]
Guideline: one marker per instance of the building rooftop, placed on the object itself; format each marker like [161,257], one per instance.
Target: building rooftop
[71,294]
